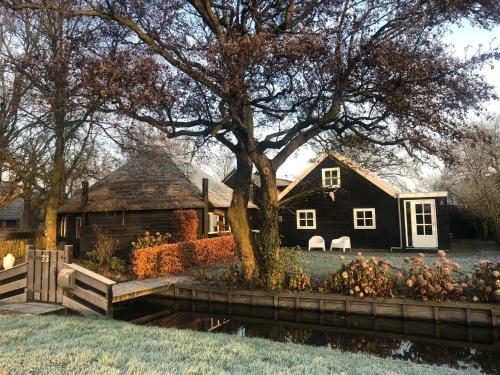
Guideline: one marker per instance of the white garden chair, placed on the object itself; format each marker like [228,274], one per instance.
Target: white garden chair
[343,243]
[317,242]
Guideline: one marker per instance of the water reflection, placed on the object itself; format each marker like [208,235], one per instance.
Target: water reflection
[450,345]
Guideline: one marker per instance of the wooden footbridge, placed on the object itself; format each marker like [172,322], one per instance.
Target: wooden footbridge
[49,281]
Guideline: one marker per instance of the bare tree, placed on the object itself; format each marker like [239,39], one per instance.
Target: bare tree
[266,77]
[474,179]
[61,114]
[220,160]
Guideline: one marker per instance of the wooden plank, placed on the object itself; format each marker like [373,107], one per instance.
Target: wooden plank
[93,275]
[59,267]
[17,298]
[14,271]
[44,294]
[14,285]
[91,297]
[78,307]
[53,276]
[38,275]
[30,273]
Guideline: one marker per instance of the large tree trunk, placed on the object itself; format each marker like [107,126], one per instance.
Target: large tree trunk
[238,217]
[54,195]
[269,213]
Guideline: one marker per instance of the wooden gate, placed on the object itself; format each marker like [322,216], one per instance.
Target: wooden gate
[43,267]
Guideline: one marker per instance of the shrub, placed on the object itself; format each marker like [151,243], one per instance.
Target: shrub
[103,248]
[185,225]
[362,277]
[485,282]
[101,258]
[438,281]
[150,240]
[299,280]
[175,257]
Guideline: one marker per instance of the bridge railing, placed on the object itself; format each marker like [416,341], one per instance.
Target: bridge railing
[92,294]
[13,284]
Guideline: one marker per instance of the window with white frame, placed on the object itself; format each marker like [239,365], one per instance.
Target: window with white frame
[306,219]
[217,224]
[63,226]
[331,177]
[364,218]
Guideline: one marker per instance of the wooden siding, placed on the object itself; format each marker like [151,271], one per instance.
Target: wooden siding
[335,218]
[125,227]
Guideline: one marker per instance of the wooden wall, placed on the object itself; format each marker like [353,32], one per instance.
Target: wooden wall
[335,218]
[125,227]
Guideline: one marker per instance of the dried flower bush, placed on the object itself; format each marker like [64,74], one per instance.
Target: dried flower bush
[298,280]
[439,281]
[362,277]
[484,283]
[151,240]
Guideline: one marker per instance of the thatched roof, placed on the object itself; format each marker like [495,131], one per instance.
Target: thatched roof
[12,210]
[151,181]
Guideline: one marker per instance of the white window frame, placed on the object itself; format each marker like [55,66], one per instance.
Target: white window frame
[63,227]
[299,226]
[323,177]
[211,217]
[355,218]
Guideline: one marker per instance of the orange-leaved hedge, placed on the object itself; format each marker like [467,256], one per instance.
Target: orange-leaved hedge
[175,257]
[184,225]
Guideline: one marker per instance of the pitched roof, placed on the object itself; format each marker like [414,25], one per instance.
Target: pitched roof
[151,181]
[12,210]
[280,182]
[377,181]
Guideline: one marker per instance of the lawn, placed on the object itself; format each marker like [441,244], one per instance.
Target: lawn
[74,345]
[465,253]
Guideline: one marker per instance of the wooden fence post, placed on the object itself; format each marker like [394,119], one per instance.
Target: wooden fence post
[68,254]
[30,271]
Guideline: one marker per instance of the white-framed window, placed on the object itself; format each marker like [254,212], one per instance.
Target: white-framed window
[78,227]
[330,177]
[306,219]
[364,218]
[217,224]
[63,226]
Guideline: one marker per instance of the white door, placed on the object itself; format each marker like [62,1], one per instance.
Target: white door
[423,223]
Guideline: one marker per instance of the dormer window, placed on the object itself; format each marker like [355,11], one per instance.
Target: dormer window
[331,177]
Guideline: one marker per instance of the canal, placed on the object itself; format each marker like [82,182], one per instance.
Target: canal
[442,344]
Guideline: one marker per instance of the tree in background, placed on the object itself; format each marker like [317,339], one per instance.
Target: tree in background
[473,180]
[266,77]
[57,135]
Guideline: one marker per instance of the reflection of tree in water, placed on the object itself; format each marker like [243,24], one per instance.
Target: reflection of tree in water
[451,356]
[280,333]
[418,352]
[380,346]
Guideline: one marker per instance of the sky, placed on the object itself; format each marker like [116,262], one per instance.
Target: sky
[464,40]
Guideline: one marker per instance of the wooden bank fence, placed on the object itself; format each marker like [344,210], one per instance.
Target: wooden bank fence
[53,277]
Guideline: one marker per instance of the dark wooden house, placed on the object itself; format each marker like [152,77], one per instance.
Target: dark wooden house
[141,196]
[11,215]
[281,184]
[335,197]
